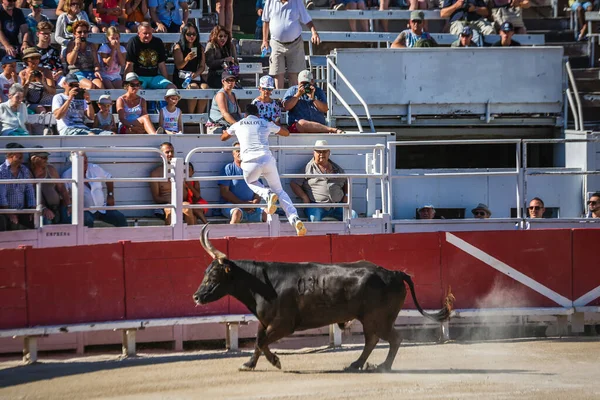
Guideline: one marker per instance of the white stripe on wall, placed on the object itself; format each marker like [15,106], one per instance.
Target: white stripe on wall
[588,297]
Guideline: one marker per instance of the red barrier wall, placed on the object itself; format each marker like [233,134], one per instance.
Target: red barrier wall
[283,249]
[542,255]
[417,254]
[586,265]
[75,284]
[13,293]
[161,278]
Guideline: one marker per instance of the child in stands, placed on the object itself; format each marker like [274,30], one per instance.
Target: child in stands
[170,116]
[104,118]
[110,13]
[112,59]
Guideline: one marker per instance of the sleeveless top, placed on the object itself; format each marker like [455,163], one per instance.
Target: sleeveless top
[215,115]
[84,61]
[411,38]
[105,121]
[170,119]
[132,113]
[191,66]
[49,193]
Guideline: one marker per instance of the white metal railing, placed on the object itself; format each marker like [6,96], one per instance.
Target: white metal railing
[576,108]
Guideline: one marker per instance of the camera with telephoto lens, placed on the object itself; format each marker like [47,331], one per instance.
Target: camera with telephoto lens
[79,95]
[307,88]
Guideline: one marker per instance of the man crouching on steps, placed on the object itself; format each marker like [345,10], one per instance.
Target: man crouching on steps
[257,161]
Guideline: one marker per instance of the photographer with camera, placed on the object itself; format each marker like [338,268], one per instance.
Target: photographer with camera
[72,107]
[82,58]
[306,105]
[38,82]
[471,13]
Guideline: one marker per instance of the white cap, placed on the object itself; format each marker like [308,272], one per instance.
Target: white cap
[266,82]
[321,145]
[305,76]
[132,76]
[172,92]
[104,99]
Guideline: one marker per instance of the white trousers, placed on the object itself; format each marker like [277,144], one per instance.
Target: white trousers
[266,167]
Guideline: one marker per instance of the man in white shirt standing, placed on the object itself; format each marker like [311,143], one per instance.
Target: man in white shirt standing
[283,18]
[257,161]
[93,195]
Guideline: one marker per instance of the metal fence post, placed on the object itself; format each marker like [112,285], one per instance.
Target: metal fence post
[176,178]
[77,190]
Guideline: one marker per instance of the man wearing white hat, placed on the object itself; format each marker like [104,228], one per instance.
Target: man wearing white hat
[322,190]
[257,161]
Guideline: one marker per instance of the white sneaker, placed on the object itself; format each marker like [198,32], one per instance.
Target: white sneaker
[160,130]
[300,228]
[272,204]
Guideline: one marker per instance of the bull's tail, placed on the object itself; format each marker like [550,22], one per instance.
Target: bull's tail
[441,315]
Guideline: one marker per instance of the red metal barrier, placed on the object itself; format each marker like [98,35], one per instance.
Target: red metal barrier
[283,249]
[543,257]
[75,284]
[161,277]
[417,254]
[586,271]
[13,289]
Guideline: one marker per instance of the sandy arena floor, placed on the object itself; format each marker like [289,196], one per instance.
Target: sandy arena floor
[566,368]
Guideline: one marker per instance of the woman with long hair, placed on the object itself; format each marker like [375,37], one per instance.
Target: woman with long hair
[224,109]
[82,58]
[189,58]
[220,54]
[133,114]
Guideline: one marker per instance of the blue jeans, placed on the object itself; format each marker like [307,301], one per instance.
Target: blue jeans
[113,217]
[317,214]
[256,216]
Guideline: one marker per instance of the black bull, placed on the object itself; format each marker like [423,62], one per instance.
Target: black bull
[289,297]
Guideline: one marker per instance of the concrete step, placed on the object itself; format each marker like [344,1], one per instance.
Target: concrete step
[572,48]
[588,85]
[551,24]
[586,73]
[554,35]
[579,61]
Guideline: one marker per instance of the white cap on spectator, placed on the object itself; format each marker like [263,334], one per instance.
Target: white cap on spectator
[266,82]
[172,92]
[132,76]
[105,99]
[321,145]
[305,76]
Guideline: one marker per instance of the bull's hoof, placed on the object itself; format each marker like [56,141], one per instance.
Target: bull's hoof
[370,367]
[382,368]
[355,366]
[247,367]
[276,363]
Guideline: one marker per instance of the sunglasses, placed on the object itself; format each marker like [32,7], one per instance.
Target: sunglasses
[266,90]
[592,203]
[479,214]
[191,34]
[135,85]
[536,208]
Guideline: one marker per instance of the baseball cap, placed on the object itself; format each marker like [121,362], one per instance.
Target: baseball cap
[467,31]
[417,16]
[13,145]
[426,206]
[71,78]
[305,76]
[44,154]
[105,99]
[132,76]
[172,92]
[266,82]
[7,59]
[321,145]
[507,27]
[228,74]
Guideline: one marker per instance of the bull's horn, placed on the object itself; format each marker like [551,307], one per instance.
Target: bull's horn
[208,247]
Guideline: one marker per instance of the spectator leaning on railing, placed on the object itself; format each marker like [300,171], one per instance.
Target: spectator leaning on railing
[306,105]
[13,113]
[93,195]
[322,190]
[16,195]
[282,20]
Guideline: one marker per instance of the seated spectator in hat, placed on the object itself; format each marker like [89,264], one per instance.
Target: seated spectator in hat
[34,18]
[72,107]
[236,191]
[135,12]
[13,113]
[93,196]
[8,77]
[132,109]
[71,13]
[38,82]
[56,201]
[12,23]
[426,212]
[146,56]
[414,36]
[104,118]
[169,117]
[17,196]
[594,205]
[506,33]
[306,105]
[161,191]
[322,190]
[509,11]
[82,58]
[465,39]
[112,59]
[481,211]
[471,13]
[50,53]
[268,108]
[189,58]
[224,109]
[220,55]
[109,13]
[536,208]
[165,15]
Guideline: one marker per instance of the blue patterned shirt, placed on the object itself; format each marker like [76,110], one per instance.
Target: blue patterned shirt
[16,195]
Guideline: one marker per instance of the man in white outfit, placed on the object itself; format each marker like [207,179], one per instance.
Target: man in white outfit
[257,161]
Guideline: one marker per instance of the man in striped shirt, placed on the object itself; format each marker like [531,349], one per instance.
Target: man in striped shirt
[16,195]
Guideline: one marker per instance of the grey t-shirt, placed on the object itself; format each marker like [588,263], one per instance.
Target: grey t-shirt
[75,117]
[323,190]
